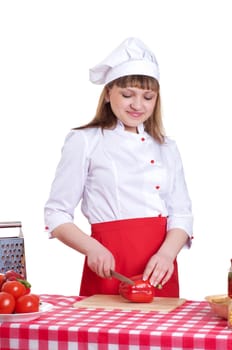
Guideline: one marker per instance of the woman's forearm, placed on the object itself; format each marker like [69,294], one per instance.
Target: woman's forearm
[74,237]
[99,259]
[174,242]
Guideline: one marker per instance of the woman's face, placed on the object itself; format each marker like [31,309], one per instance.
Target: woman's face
[131,105]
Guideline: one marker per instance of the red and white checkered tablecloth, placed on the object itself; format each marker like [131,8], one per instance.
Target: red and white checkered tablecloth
[190,326]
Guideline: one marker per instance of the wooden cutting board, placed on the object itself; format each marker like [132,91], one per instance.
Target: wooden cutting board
[99,301]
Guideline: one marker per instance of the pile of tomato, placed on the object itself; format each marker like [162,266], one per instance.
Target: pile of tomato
[15,294]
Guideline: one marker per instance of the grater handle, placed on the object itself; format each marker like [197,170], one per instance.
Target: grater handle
[5,224]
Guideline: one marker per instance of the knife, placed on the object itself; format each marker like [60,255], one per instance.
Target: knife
[121,277]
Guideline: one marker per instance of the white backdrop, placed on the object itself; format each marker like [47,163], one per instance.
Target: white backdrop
[46,49]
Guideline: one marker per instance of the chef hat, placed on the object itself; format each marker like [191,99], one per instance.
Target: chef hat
[131,57]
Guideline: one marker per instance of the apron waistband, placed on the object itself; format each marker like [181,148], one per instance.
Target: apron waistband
[128,223]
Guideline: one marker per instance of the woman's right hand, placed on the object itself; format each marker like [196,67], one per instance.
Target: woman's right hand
[100,260]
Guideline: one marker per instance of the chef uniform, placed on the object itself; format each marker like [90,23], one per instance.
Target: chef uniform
[131,188]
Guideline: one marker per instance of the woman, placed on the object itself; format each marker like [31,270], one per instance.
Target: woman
[129,177]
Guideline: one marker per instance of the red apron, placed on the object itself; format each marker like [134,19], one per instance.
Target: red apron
[132,243]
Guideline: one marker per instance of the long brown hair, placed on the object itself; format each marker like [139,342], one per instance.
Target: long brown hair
[105,118]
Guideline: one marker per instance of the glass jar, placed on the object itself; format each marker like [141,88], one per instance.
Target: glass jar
[229,319]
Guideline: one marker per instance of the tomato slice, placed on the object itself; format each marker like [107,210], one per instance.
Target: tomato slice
[7,303]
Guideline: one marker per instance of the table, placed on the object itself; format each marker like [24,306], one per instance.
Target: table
[190,326]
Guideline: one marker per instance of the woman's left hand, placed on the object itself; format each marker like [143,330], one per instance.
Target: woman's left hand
[160,266]
[159,269]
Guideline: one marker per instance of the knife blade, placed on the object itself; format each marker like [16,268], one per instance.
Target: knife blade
[121,277]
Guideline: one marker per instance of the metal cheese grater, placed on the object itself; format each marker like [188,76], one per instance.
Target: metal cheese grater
[12,250]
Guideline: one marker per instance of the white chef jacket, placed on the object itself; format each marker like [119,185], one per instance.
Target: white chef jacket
[116,175]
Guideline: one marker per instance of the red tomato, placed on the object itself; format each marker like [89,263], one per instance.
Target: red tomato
[2,279]
[28,290]
[35,297]
[27,303]
[26,284]
[17,289]
[7,303]
[12,275]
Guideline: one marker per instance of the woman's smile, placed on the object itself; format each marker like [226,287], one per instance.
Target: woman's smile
[131,105]
[134,114]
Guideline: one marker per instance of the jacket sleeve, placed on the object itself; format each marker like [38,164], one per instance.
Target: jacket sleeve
[68,184]
[178,202]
